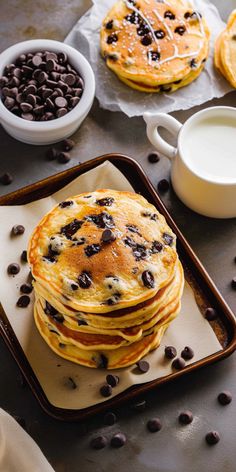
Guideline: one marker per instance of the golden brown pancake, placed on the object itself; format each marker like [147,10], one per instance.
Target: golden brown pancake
[225,50]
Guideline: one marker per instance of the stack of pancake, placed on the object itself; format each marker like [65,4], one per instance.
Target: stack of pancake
[108,280]
[155,46]
[225,50]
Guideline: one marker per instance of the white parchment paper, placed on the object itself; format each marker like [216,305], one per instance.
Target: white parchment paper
[189,328]
[116,96]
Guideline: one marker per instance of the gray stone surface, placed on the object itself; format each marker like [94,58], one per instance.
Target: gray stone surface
[175,448]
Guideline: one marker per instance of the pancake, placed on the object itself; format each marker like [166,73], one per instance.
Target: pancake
[70,260]
[155,46]
[225,50]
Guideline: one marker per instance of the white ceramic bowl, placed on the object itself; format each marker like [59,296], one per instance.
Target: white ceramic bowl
[48,132]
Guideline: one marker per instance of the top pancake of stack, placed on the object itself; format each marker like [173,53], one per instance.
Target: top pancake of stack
[72,263]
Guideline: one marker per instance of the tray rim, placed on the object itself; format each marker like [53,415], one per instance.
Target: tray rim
[14,346]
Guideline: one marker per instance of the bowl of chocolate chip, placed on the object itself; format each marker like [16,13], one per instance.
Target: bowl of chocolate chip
[46,90]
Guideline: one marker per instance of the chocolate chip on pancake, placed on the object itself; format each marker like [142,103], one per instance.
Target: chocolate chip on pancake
[82,323]
[139,252]
[156,247]
[187,15]
[51,256]
[92,249]
[114,299]
[180,30]
[102,220]
[108,201]
[168,239]
[155,56]
[148,279]
[143,29]
[193,63]
[66,204]
[71,228]
[133,18]
[109,25]
[133,229]
[160,34]
[85,279]
[108,236]
[169,14]
[112,38]
[146,40]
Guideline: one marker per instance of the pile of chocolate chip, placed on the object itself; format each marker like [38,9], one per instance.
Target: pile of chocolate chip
[41,86]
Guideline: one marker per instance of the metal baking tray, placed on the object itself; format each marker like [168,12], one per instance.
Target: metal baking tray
[205,291]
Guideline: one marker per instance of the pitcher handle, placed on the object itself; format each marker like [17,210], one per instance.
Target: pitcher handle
[153,121]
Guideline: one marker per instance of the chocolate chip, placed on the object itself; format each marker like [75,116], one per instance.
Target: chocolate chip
[82,322]
[66,204]
[61,102]
[187,353]
[148,279]
[178,363]
[143,29]
[186,417]
[36,60]
[168,238]
[112,380]
[139,251]
[212,438]
[159,34]
[163,185]
[99,442]
[143,366]
[156,247]
[109,25]
[225,397]
[26,288]
[9,103]
[118,440]
[112,38]
[107,201]
[155,56]
[6,179]
[169,14]
[23,301]
[50,310]
[109,418]
[26,107]
[154,425]
[59,113]
[27,116]
[13,268]
[133,18]
[146,40]
[85,279]
[133,229]
[24,256]
[233,283]
[193,63]
[180,30]
[139,406]
[67,144]
[153,157]
[102,220]
[114,299]
[106,390]
[62,57]
[71,228]
[92,249]
[187,15]
[108,236]
[17,230]
[210,314]
[170,352]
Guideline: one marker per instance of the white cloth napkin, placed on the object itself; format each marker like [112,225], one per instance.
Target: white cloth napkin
[18,451]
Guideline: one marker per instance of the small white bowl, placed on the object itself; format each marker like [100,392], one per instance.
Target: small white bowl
[48,132]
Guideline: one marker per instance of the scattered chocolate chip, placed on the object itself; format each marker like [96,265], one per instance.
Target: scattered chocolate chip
[70,229]
[13,268]
[23,301]
[109,418]
[148,279]
[139,251]
[99,442]
[24,256]
[103,361]
[212,438]
[178,363]
[143,366]
[112,380]
[85,279]
[169,14]
[109,25]
[6,179]
[225,397]
[106,390]
[180,30]
[154,425]
[108,236]
[233,283]
[146,40]
[155,56]
[102,220]
[187,353]
[67,144]
[107,201]
[139,406]
[156,247]
[112,38]
[193,63]
[133,18]
[118,440]
[143,29]
[186,417]
[170,352]
[92,249]
[66,204]
[153,157]
[133,229]
[51,311]
[210,314]
[63,157]
[26,288]
[17,230]
[187,15]
[163,185]
[82,323]
[159,34]
[168,238]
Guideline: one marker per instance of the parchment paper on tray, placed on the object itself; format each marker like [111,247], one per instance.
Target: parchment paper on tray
[53,372]
[116,96]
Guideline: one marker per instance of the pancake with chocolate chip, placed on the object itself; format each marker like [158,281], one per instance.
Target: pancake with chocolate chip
[155,46]
[225,50]
[70,259]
